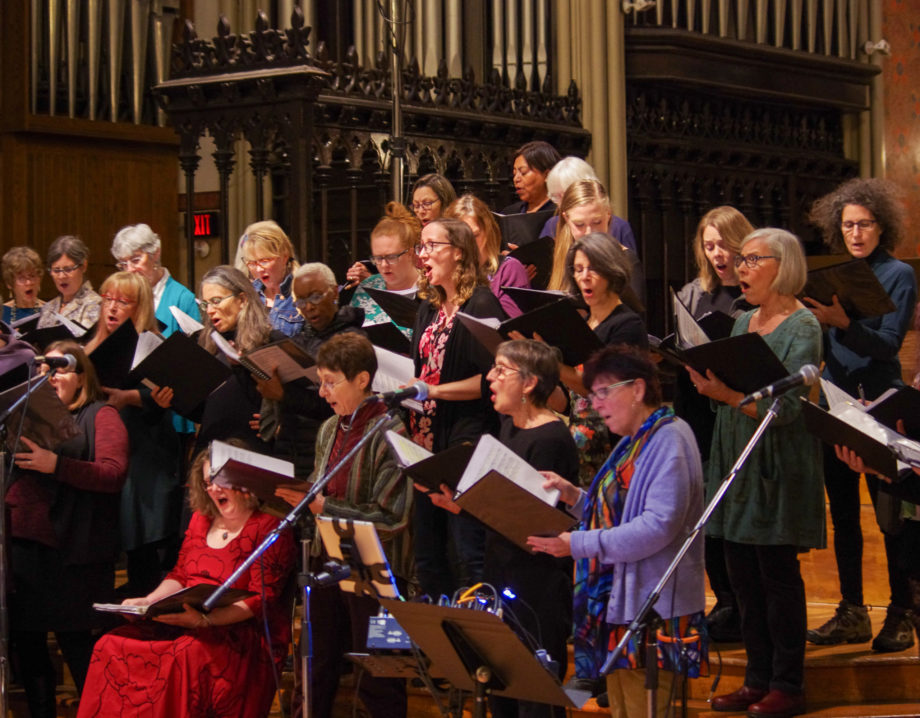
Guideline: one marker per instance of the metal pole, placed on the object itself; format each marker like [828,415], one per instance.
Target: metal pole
[397,141]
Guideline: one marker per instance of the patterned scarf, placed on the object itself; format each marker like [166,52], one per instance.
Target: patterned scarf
[604,509]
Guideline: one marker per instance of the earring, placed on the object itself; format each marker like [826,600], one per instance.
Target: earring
[523,398]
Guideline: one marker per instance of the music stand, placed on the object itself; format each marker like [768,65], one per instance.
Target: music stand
[478,652]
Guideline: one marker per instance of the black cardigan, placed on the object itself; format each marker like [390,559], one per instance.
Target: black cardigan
[458,421]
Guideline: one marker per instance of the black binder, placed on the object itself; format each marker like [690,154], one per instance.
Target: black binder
[856,286]
[114,356]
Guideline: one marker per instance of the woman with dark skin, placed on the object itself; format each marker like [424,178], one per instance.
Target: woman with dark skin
[864,218]
[532,163]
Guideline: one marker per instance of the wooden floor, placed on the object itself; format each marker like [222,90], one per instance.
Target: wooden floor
[841,681]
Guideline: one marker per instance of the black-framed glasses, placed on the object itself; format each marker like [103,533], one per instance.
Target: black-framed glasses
[215,302]
[387,258]
[752,260]
[604,391]
[863,224]
[428,247]
[64,270]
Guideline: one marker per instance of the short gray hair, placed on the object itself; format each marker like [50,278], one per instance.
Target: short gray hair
[133,239]
[72,247]
[316,268]
[793,270]
[567,172]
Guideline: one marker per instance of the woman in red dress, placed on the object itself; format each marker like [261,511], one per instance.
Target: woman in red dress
[195,664]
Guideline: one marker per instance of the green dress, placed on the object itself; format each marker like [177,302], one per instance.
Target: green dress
[778,496]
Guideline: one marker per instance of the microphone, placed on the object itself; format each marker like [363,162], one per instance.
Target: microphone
[68,362]
[807,375]
[419,391]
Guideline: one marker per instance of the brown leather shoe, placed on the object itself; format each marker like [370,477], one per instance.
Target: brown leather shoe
[738,701]
[778,704]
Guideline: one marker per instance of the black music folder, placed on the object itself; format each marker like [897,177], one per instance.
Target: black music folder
[856,286]
[744,362]
[539,253]
[388,336]
[184,366]
[401,308]
[259,474]
[559,324]
[115,355]
[523,228]
[902,403]
[42,338]
[47,421]
[530,299]
[427,469]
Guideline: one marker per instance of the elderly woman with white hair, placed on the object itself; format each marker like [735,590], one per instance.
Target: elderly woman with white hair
[292,413]
[137,249]
[775,508]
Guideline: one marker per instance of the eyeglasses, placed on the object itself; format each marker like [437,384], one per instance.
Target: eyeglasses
[499,370]
[314,299]
[26,278]
[428,247]
[330,385]
[214,302]
[578,270]
[387,258]
[425,204]
[751,260]
[134,262]
[604,391]
[64,270]
[863,224]
[263,263]
[121,303]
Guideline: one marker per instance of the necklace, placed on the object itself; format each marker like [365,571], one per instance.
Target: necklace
[224,535]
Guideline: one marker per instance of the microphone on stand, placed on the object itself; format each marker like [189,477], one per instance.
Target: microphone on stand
[418,391]
[807,375]
[68,362]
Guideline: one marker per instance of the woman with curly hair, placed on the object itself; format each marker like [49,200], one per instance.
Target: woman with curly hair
[445,352]
[865,218]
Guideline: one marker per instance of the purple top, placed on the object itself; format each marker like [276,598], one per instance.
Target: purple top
[510,273]
[619,230]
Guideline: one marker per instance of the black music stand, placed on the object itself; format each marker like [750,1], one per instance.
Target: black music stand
[478,652]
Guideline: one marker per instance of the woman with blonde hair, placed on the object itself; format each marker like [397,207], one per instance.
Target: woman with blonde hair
[501,271]
[585,209]
[124,295]
[269,257]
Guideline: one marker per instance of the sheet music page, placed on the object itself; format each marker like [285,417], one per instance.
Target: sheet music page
[72,326]
[907,451]
[273,357]
[491,454]
[188,325]
[407,451]
[490,322]
[146,343]
[880,399]
[688,331]
[393,372]
[225,346]
[221,453]
[838,397]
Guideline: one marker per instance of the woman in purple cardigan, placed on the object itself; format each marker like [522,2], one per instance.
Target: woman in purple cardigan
[640,508]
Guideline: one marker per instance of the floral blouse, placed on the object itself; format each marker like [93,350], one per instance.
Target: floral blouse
[431,348]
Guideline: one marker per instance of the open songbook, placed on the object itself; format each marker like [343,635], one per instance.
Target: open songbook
[394,371]
[855,285]
[290,359]
[491,482]
[194,596]
[47,422]
[236,468]
[187,324]
[849,423]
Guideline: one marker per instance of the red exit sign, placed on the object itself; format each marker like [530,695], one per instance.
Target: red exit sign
[206,224]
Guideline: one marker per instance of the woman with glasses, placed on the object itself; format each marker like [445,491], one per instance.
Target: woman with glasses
[775,507]
[371,487]
[194,664]
[635,516]
[532,163]
[230,306]
[501,271]
[523,377]
[716,288]
[444,352]
[291,413]
[68,259]
[393,243]
[151,500]
[269,257]
[136,248]
[63,533]
[597,266]
[22,273]
[431,195]
[865,218]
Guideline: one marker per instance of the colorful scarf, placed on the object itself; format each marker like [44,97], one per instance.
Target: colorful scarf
[604,509]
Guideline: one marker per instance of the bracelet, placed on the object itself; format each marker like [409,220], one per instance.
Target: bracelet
[206,620]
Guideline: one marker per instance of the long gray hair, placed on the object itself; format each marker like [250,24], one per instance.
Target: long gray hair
[252,325]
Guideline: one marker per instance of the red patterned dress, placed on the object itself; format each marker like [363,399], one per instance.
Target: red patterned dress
[158,671]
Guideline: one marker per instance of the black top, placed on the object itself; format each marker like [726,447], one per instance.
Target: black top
[548,447]
[623,326]
[464,356]
[521,207]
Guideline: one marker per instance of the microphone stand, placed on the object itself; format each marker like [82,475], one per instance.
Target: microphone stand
[288,522]
[643,616]
[4,561]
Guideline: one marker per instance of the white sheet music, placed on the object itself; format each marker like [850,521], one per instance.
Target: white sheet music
[72,326]
[221,453]
[491,454]
[394,371]
[689,332]
[146,343]
[187,324]
[407,451]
